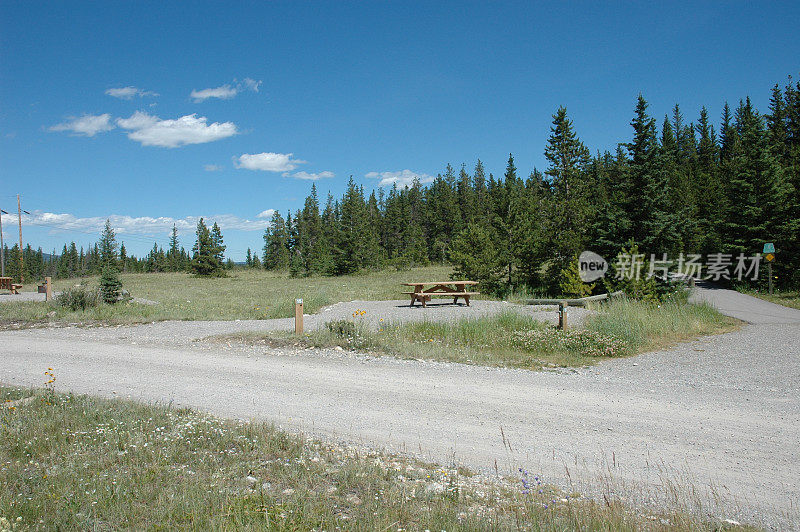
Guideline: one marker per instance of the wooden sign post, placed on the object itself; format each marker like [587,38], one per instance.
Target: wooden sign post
[48,288]
[562,315]
[298,317]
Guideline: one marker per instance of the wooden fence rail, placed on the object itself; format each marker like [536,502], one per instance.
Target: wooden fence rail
[580,302]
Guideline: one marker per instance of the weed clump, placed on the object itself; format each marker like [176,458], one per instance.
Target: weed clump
[579,341]
[77,298]
[341,328]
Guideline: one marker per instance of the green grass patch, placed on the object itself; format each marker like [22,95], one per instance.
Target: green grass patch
[647,326]
[245,294]
[616,329]
[72,462]
[789,298]
[13,393]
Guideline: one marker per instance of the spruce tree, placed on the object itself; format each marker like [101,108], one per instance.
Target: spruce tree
[205,253]
[474,257]
[654,224]
[110,283]
[218,244]
[174,253]
[276,244]
[570,209]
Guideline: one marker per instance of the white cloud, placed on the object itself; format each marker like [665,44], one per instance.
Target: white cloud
[225,92]
[88,125]
[212,168]
[403,178]
[150,130]
[266,214]
[310,176]
[141,225]
[267,162]
[127,93]
[252,84]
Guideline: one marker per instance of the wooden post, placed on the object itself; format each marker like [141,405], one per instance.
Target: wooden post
[298,316]
[562,315]
[48,288]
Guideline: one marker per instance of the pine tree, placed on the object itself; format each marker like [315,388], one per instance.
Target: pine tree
[474,257]
[570,281]
[709,190]
[205,253]
[123,258]
[571,208]
[276,244]
[654,225]
[110,283]
[358,245]
[174,253]
[108,245]
[217,243]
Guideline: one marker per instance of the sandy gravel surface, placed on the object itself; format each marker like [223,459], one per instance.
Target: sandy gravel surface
[720,414]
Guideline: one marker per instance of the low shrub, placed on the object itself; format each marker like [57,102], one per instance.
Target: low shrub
[341,328]
[578,341]
[78,298]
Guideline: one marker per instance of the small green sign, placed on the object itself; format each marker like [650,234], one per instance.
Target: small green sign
[769,247]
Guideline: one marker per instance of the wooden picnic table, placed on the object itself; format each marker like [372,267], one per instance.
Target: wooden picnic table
[454,289]
[7,283]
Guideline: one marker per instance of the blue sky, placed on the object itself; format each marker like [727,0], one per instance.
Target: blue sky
[154,112]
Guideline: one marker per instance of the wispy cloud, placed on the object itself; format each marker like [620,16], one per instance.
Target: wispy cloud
[227,91]
[310,176]
[267,162]
[402,178]
[150,130]
[212,168]
[140,225]
[266,214]
[87,125]
[127,93]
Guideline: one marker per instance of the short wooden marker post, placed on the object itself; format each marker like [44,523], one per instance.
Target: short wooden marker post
[562,315]
[298,316]
[48,289]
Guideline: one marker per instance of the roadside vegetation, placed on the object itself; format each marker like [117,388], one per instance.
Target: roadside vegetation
[246,294]
[786,298]
[72,462]
[620,328]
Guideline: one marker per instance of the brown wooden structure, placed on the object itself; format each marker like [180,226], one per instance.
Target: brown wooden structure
[454,289]
[7,283]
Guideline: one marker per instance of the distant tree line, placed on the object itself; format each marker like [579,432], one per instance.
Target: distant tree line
[686,187]
[78,262]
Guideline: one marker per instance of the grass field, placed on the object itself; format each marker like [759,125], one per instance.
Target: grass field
[79,463]
[787,299]
[619,328]
[246,295]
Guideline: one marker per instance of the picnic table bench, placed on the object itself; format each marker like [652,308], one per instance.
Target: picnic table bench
[7,283]
[454,289]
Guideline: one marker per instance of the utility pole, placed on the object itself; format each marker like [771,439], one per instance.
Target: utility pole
[19,217]
[2,247]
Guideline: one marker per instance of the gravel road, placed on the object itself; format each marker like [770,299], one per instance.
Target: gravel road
[720,414]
